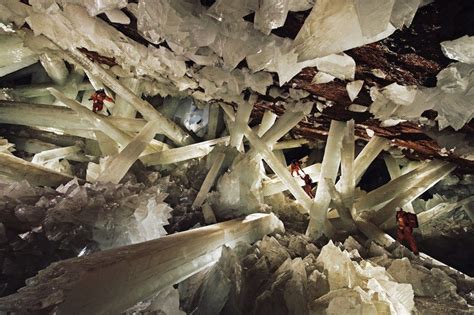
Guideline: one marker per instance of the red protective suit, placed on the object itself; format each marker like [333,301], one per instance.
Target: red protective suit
[295,166]
[406,222]
[98,99]
[307,185]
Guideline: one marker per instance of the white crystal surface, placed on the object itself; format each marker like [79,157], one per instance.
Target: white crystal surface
[461,49]
[353,88]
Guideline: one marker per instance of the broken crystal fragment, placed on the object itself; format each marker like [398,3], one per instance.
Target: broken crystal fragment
[335,26]
[341,66]
[270,14]
[461,49]
[353,88]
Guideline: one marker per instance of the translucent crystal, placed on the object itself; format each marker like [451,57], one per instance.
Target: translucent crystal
[329,169]
[14,55]
[59,153]
[460,49]
[274,186]
[268,120]
[271,14]
[368,154]
[242,116]
[118,165]
[117,16]
[117,268]
[55,67]
[341,66]
[19,169]
[403,12]
[353,88]
[209,180]
[335,26]
[322,77]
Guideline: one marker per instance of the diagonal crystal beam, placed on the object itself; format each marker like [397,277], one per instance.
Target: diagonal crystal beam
[368,154]
[442,209]
[54,67]
[279,169]
[337,199]
[209,180]
[242,117]
[122,108]
[419,186]
[19,169]
[329,168]
[275,185]
[110,130]
[394,172]
[268,120]
[181,154]
[121,163]
[170,129]
[379,197]
[29,114]
[111,281]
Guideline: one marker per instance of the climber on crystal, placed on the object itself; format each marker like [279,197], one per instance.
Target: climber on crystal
[307,185]
[98,99]
[295,166]
[406,222]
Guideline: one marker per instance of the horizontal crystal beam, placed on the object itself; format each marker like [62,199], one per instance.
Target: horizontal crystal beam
[36,90]
[111,281]
[119,165]
[441,209]
[19,113]
[275,185]
[290,144]
[170,129]
[368,154]
[279,169]
[19,169]
[329,169]
[58,153]
[181,154]
[209,180]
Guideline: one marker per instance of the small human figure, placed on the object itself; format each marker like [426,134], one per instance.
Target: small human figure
[307,185]
[295,166]
[406,222]
[98,99]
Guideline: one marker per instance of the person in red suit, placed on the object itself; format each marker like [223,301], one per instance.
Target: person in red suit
[308,185]
[406,222]
[295,166]
[98,99]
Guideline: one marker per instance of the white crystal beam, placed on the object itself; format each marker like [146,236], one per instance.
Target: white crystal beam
[120,164]
[110,130]
[111,281]
[214,110]
[337,199]
[394,172]
[290,144]
[181,154]
[242,117]
[280,170]
[122,108]
[283,125]
[347,180]
[268,120]
[275,185]
[441,209]
[368,154]
[29,114]
[329,169]
[19,169]
[170,129]
[419,187]
[35,90]
[54,67]
[58,153]
[377,198]
[209,180]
